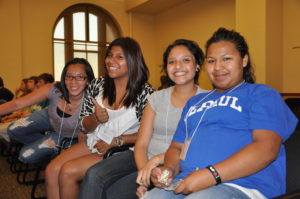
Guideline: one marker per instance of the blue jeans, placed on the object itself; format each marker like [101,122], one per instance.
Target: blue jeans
[221,191]
[41,149]
[124,188]
[28,129]
[103,174]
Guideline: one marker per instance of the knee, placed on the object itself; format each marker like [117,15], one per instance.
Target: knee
[52,170]
[96,172]
[26,154]
[90,174]
[22,122]
[11,131]
[68,171]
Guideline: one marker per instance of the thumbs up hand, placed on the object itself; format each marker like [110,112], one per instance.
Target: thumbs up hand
[100,112]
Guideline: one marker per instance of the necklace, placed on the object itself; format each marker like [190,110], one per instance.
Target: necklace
[70,106]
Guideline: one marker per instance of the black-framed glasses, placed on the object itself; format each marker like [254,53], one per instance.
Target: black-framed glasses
[77,77]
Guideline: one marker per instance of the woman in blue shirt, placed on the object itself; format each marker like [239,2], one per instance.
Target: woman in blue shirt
[231,137]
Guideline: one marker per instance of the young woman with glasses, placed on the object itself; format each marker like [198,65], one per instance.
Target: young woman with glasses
[60,119]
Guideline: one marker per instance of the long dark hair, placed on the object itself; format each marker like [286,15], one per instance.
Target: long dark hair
[62,85]
[192,47]
[240,43]
[137,72]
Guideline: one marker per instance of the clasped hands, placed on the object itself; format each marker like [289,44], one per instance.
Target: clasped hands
[195,181]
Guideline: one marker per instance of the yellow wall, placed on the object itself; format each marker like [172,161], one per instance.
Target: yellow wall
[291,39]
[250,22]
[271,28]
[195,20]
[10,40]
[274,41]
[142,29]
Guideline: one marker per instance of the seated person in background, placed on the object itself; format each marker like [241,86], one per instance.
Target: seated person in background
[22,89]
[44,78]
[230,137]
[60,118]
[31,85]
[112,109]
[11,119]
[5,94]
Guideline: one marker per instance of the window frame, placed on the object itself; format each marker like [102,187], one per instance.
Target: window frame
[104,19]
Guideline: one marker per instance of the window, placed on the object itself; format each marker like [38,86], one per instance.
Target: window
[84,31]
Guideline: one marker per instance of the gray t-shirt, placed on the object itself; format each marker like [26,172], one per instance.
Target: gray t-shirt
[68,123]
[163,132]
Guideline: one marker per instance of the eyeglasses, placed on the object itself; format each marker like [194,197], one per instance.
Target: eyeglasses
[77,77]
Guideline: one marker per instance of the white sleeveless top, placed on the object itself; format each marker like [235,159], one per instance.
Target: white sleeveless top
[121,122]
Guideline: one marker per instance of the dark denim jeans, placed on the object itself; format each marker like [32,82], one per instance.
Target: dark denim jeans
[103,174]
[125,188]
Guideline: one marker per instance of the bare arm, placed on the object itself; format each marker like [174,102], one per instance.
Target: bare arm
[29,99]
[249,160]
[128,139]
[144,137]
[144,165]
[172,157]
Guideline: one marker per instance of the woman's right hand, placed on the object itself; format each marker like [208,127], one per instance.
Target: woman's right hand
[100,114]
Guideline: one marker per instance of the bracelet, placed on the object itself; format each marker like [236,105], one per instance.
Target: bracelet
[119,141]
[215,173]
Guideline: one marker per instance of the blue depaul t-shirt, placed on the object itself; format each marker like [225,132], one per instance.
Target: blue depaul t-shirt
[226,127]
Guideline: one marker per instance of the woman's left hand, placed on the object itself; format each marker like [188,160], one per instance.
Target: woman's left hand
[140,191]
[144,174]
[102,147]
[195,181]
